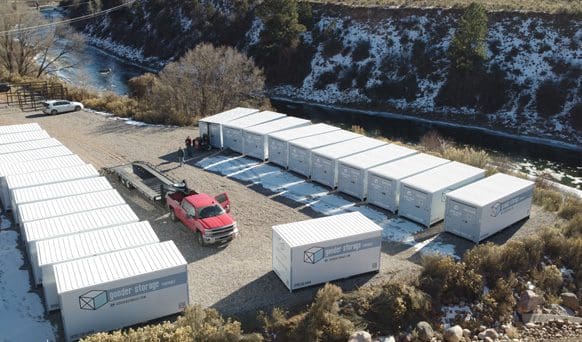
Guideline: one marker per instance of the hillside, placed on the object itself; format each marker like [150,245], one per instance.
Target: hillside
[385,59]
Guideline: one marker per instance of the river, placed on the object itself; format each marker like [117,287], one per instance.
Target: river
[534,158]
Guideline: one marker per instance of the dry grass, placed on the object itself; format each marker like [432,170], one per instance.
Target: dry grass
[545,6]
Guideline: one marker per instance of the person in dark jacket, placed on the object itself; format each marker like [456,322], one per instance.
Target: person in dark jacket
[188,142]
[181,155]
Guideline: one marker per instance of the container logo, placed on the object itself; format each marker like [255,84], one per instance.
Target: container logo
[505,206]
[92,300]
[313,255]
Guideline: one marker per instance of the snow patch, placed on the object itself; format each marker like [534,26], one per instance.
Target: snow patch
[453,312]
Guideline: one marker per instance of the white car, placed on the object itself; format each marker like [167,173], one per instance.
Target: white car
[61,106]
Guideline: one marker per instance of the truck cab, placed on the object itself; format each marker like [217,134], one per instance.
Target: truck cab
[203,214]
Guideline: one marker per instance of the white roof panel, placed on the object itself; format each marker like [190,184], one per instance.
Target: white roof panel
[254,119]
[40,165]
[377,156]
[326,228]
[229,115]
[278,125]
[409,166]
[325,139]
[303,131]
[346,148]
[23,136]
[442,176]
[105,268]
[41,153]
[29,145]
[74,223]
[95,242]
[51,176]
[490,189]
[20,128]
[57,190]
[69,205]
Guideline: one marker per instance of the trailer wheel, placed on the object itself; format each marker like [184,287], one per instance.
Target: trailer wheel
[200,239]
[173,215]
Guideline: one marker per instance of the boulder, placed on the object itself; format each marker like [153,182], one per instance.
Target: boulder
[492,334]
[387,339]
[467,333]
[424,331]
[529,301]
[360,336]
[570,300]
[454,334]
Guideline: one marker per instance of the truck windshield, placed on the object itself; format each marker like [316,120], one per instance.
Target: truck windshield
[210,211]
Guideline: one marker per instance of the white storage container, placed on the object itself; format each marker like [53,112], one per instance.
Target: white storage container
[300,149]
[422,197]
[29,145]
[23,136]
[41,153]
[123,288]
[384,180]
[212,125]
[28,180]
[232,131]
[479,210]
[68,205]
[9,129]
[36,231]
[256,137]
[325,160]
[72,247]
[279,141]
[58,190]
[353,170]
[325,249]
[31,167]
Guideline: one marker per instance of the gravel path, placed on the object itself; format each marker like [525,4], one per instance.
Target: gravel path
[237,278]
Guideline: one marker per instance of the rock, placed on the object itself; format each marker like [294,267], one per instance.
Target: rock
[454,334]
[529,301]
[360,336]
[387,339]
[481,335]
[467,333]
[530,325]
[488,339]
[492,334]
[570,300]
[482,328]
[424,331]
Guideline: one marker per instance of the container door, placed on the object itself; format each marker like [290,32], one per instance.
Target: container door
[350,181]
[462,219]
[415,205]
[278,152]
[223,200]
[232,138]
[254,145]
[381,192]
[214,132]
[299,160]
[323,170]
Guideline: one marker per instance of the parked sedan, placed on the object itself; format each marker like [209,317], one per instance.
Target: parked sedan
[61,106]
[4,87]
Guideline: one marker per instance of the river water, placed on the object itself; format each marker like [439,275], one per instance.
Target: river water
[565,165]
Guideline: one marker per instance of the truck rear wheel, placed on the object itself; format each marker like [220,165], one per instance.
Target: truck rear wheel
[200,239]
[173,215]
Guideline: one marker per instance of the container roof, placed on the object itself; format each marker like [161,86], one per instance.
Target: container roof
[278,125]
[78,222]
[229,115]
[39,165]
[23,136]
[303,131]
[347,148]
[51,176]
[106,268]
[29,145]
[326,228]
[442,176]
[376,156]
[325,139]
[20,128]
[69,205]
[409,166]
[254,119]
[62,189]
[95,242]
[41,153]
[490,189]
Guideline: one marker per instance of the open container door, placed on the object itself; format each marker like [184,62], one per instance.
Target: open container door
[223,200]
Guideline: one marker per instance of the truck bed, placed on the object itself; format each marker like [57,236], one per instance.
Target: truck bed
[144,177]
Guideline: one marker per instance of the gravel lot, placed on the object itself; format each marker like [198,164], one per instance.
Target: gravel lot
[236,278]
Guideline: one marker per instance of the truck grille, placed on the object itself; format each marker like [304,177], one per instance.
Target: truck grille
[219,233]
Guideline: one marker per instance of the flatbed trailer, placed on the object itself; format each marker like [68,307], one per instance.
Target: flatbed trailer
[145,178]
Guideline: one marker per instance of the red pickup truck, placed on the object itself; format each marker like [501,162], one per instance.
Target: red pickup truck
[205,215]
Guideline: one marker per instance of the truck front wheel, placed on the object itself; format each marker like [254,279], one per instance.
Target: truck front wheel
[200,239]
[173,215]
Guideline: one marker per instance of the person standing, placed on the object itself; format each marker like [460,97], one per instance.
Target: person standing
[189,146]
[181,155]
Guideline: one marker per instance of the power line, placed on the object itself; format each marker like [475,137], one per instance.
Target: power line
[69,21]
